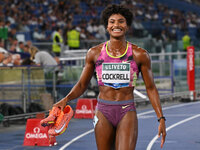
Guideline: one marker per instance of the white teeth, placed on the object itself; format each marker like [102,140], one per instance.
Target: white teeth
[116,30]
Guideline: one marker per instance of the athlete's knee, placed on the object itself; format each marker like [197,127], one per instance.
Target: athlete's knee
[127,145]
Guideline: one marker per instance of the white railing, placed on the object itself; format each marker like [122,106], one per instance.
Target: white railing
[80,55]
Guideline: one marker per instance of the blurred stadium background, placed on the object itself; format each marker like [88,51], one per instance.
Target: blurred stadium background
[158,27]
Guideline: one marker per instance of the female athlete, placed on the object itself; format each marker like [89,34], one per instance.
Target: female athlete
[117,63]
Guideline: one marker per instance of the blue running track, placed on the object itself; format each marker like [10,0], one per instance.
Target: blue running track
[183,131]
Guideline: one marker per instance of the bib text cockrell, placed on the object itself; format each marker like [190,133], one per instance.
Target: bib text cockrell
[115,76]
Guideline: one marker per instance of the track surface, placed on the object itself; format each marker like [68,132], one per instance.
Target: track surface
[183,128]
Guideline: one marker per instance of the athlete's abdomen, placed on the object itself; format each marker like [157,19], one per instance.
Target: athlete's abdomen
[109,93]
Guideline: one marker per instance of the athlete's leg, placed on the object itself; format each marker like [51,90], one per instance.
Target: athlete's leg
[104,133]
[127,131]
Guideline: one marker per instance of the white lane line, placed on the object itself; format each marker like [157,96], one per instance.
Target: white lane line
[76,138]
[172,126]
[169,107]
[140,114]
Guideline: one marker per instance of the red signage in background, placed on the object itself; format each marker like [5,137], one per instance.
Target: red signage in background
[36,135]
[191,71]
[85,108]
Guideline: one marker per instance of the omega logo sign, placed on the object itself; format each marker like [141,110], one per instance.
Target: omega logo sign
[83,110]
[36,134]
[191,58]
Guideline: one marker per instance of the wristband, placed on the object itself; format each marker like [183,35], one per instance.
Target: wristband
[161,118]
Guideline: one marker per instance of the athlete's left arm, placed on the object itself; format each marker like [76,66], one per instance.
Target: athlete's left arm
[144,62]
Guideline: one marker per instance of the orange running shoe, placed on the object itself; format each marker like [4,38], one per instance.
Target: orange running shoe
[61,122]
[51,119]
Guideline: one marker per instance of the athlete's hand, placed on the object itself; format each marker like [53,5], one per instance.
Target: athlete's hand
[60,104]
[162,130]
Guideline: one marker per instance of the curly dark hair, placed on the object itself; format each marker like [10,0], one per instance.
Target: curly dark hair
[116,9]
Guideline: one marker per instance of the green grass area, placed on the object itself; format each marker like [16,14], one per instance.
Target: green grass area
[71,74]
[16,75]
[15,78]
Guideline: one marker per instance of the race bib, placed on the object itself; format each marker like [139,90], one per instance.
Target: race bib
[116,72]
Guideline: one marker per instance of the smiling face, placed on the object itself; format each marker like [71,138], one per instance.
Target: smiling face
[117,26]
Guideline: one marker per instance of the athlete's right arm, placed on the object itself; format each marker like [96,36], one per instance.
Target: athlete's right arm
[84,80]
